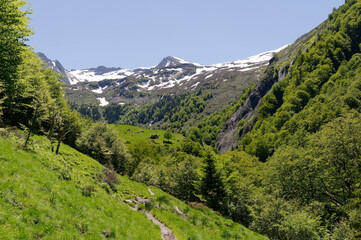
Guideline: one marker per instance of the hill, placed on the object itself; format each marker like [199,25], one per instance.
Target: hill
[71,196]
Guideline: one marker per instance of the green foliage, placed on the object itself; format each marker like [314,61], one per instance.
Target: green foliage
[91,111]
[13,33]
[311,189]
[168,135]
[36,198]
[101,142]
[142,151]
[299,177]
[238,170]
[308,136]
[172,110]
[210,185]
[1,102]
[310,95]
[211,126]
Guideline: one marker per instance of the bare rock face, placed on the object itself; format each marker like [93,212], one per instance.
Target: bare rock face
[56,66]
[170,61]
[229,136]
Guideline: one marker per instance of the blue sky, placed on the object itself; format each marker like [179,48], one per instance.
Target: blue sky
[139,33]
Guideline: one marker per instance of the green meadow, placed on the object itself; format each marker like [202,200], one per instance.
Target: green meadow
[65,196]
[131,134]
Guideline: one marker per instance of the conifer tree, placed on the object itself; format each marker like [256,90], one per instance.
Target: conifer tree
[211,186]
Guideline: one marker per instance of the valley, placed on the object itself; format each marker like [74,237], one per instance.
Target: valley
[267,147]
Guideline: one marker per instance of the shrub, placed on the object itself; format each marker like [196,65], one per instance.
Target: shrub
[88,191]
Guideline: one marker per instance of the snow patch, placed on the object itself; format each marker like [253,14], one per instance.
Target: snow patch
[195,85]
[209,76]
[99,90]
[103,102]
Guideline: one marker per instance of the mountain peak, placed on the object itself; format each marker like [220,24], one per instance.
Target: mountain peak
[171,61]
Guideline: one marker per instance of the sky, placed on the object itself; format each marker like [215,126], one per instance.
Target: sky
[140,33]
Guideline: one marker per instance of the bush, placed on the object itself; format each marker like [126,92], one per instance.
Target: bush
[88,191]
[108,175]
[103,144]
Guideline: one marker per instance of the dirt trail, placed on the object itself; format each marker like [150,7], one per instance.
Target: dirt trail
[165,231]
[179,211]
[151,192]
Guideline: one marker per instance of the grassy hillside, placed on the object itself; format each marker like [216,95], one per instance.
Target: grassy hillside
[132,134]
[67,197]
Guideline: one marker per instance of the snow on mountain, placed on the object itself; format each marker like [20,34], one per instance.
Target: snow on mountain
[103,102]
[172,74]
[250,62]
[172,62]
[93,74]
[56,66]
[103,73]
[99,90]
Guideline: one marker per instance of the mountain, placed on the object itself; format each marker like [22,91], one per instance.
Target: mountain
[56,66]
[172,62]
[99,74]
[172,75]
[287,128]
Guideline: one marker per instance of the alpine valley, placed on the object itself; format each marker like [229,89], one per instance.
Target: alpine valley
[268,147]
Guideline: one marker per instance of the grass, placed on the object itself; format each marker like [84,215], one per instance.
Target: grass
[197,223]
[44,196]
[131,134]
[37,202]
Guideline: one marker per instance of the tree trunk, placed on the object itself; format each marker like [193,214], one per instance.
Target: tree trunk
[27,139]
[58,147]
[30,127]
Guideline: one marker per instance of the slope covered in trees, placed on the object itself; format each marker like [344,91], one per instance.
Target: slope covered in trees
[307,134]
[50,191]
[295,175]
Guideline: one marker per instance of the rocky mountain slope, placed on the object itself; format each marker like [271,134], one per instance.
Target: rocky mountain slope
[56,66]
[172,76]
[275,72]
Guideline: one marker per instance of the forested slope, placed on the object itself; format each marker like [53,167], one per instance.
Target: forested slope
[50,190]
[306,131]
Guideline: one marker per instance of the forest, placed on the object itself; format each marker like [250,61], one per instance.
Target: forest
[296,174]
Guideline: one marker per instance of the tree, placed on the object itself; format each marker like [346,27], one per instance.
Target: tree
[102,143]
[13,33]
[184,175]
[1,102]
[337,149]
[66,122]
[210,186]
[168,135]
[39,107]
[55,104]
